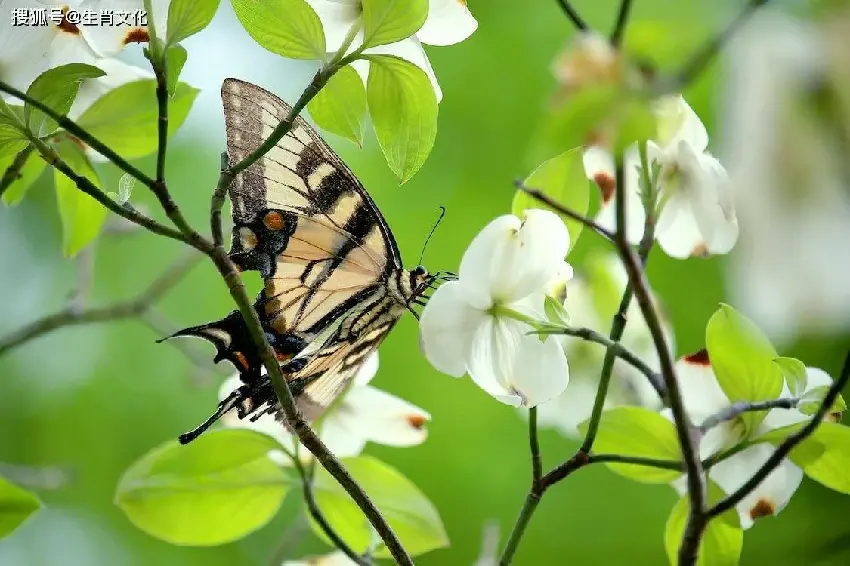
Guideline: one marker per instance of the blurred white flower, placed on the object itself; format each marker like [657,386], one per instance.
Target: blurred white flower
[789,177]
[697,216]
[592,298]
[703,397]
[111,39]
[28,51]
[448,22]
[336,558]
[479,324]
[364,414]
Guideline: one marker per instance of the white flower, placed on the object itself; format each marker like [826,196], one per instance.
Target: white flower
[336,558]
[364,414]
[28,51]
[474,325]
[697,216]
[703,397]
[788,176]
[448,22]
[591,301]
[111,39]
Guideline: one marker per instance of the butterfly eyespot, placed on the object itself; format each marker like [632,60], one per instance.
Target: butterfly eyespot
[274,220]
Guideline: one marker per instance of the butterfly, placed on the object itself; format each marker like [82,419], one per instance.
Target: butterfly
[334,284]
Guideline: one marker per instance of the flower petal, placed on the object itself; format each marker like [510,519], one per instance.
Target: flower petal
[677,122]
[410,50]
[340,434]
[368,370]
[701,393]
[476,266]
[772,494]
[540,370]
[337,17]
[635,214]
[446,329]
[569,409]
[678,233]
[599,168]
[491,357]
[109,40]
[778,418]
[449,22]
[384,418]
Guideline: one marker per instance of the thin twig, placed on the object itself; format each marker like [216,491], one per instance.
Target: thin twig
[534,445]
[619,351]
[622,19]
[699,60]
[580,218]
[13,172]
[572,14]
[784,449]
[71,316]
[72,127]
[217,202]
[319,517]
[160,70]
[84,184]
[737,409]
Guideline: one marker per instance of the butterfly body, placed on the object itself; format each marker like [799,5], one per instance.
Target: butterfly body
[334,284]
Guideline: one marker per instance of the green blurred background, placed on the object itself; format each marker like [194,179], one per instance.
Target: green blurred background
[93,399]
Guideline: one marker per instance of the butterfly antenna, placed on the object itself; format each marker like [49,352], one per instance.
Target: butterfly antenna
[431,233]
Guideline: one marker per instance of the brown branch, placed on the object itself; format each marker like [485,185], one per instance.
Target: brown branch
[561,209]
[71,316]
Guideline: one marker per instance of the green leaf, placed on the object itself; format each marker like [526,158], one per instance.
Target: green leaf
[404,112]
[812,400]
[12,141]
[175,58]
[125,118]
[555,311]
[56,88]
[27,175]
[188,17]
[16,505]
[635,431]
[794,372]
[287,27]
[742,359]
[340,107]
[411,515]
[82,216]
[825,456]
[723,539]
[217,489]
[562,179]
[387,21]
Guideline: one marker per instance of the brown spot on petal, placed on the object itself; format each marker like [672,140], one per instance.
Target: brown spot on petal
[75,140]
[67,26]
[699,358]
[762,508]
[832,417]
[700,250]
[137,35]
[417,421]
[607,184]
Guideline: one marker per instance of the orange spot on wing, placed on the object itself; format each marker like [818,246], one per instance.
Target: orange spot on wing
[273,220]
[281,357]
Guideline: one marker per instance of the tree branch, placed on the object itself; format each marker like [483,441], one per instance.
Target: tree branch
[572,14]
[124,309]
[737,409]
[784,449]
[699,60]
[619,351]
[580,218]
[13,172]
[622,19]
[70,126]
[534,445]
